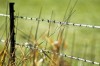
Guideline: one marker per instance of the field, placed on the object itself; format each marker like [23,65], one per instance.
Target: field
[42,43]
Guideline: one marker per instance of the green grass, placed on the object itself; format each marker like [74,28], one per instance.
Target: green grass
[87,12]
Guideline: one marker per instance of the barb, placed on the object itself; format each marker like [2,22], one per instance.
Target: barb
[54,21]
[28,45]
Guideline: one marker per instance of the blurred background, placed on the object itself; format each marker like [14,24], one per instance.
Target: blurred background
[86,41]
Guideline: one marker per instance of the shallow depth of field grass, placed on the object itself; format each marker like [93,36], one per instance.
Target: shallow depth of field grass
[80,41]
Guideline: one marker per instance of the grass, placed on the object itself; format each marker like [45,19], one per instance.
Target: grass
[77,41]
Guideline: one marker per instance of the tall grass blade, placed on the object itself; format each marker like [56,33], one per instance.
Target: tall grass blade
[66,10]
[38,24]
[72,47]
[85,52]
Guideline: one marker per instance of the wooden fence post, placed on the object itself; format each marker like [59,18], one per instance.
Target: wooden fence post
[12,33]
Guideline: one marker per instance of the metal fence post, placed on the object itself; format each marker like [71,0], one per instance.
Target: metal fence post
[12,33]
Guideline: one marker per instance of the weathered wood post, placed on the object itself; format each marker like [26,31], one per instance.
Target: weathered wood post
[12,33]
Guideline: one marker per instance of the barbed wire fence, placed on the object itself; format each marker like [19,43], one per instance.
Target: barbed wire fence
[28,45]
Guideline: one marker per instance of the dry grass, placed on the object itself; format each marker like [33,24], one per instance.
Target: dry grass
[54,40]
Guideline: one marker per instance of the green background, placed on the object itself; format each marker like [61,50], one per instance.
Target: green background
[86,12]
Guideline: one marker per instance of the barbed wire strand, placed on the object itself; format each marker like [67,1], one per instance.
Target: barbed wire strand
[54,21]
[62,23]
[4,15]
[27,45]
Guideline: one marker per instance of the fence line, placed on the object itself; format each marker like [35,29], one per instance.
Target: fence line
[28,45]
[41,50]
[54,21]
